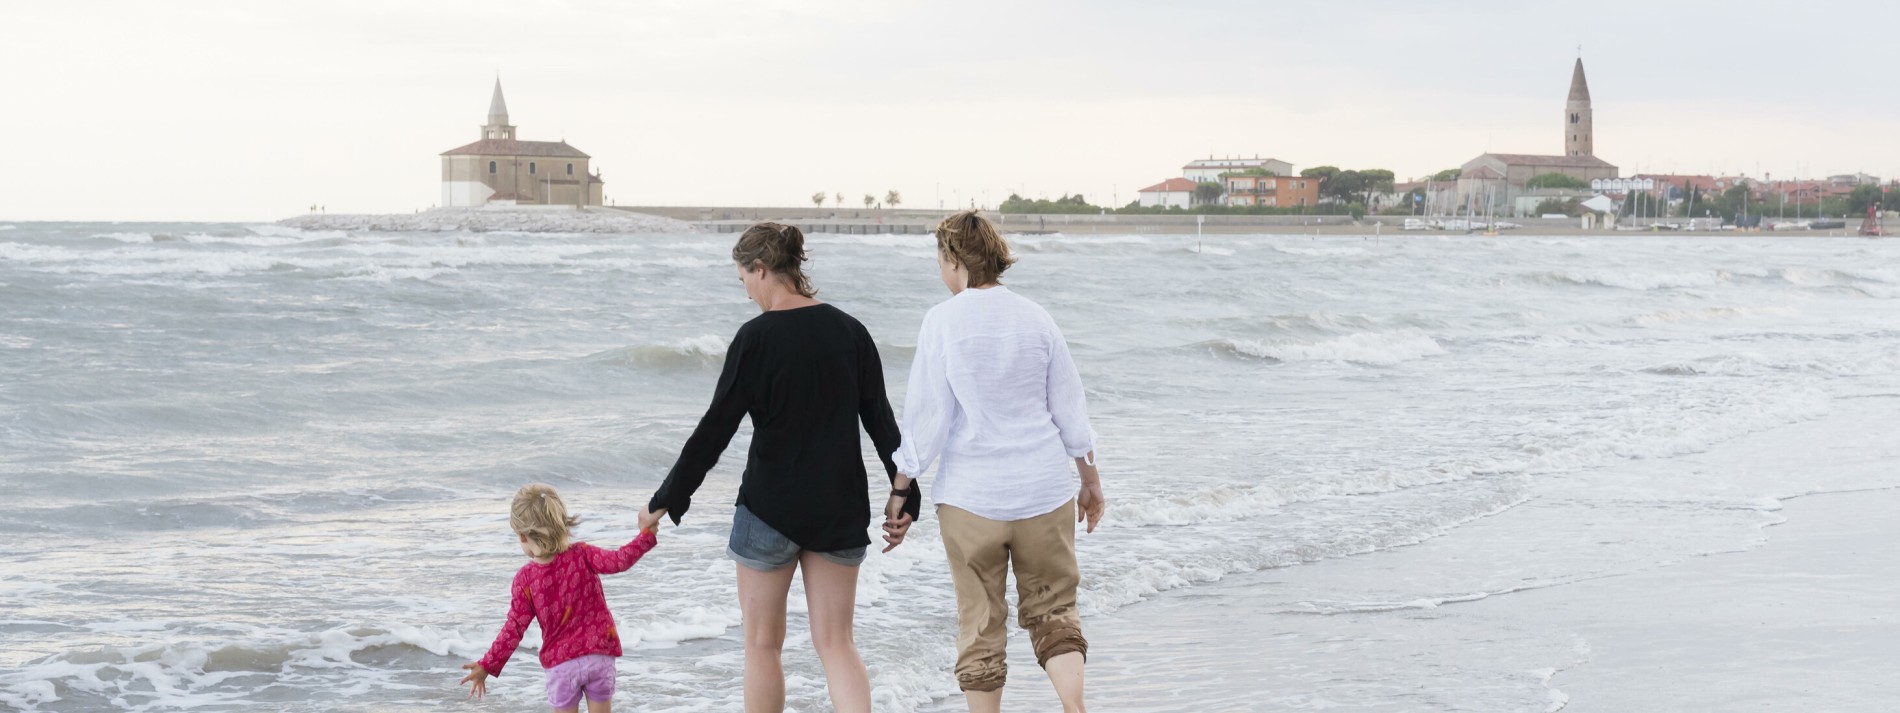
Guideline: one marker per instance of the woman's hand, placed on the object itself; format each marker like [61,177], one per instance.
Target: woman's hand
[894,508]
[478,675]
[896,522]
[650,520]
[895,529]
[1089,504]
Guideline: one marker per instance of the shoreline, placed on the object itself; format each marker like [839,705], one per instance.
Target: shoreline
[1776,603]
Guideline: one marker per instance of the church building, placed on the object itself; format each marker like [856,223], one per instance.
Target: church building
[1498,179]
[501,170]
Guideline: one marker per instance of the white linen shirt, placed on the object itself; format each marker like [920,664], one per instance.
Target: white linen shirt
[994,394]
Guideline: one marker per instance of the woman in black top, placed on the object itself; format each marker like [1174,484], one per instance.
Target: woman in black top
[807,374]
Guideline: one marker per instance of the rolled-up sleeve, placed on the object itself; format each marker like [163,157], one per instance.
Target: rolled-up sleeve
[1068,405]
[930,407]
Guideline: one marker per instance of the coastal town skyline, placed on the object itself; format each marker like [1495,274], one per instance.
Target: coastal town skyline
[346,106]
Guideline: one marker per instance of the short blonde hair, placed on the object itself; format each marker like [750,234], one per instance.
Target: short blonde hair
[539,514]
[969,239]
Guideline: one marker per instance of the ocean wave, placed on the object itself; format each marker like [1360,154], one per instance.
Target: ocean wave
[881,240]
[1635,280]
[126,237]
[1373,348]
[9,227]
[1708,314]
[361,260]
[1319,251]
[1207,250]
[705,350]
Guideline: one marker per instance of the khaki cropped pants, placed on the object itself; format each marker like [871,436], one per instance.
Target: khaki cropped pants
[981,552]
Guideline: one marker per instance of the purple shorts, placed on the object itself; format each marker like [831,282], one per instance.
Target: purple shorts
[592,674]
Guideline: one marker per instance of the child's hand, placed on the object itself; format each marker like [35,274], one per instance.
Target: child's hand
[650,520]
[480,676]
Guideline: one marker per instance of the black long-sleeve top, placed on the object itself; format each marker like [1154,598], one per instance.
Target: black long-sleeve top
[807,377]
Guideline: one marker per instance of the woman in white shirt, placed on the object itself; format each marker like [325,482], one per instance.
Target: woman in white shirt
[996,401]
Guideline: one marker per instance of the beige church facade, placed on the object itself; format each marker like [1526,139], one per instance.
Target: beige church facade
[501,170]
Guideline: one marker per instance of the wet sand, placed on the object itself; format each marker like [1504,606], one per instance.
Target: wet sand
[1591,597]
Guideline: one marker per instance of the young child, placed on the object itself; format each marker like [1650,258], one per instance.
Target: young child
[560,588]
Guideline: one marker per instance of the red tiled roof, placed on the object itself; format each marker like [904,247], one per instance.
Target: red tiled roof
[510,147]
[1172,185]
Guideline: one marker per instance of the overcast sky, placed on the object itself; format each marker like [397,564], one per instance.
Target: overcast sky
[255,110]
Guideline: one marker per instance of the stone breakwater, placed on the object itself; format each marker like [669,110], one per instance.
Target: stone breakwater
[479,220]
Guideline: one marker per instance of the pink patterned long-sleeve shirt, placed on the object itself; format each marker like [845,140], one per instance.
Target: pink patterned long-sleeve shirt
[565,597]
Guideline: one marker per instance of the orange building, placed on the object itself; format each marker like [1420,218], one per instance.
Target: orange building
[1273,191]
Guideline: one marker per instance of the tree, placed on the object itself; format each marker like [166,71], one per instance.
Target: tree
[1207,193]
[1556,180]
[1375,180]
[1565,206]
[1449,174]
[837,198]
[1862,197]
[869,199]
[1342,186]
[1322,173]
[818,199]
[893,198]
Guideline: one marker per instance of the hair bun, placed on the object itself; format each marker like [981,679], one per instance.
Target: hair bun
[780,248]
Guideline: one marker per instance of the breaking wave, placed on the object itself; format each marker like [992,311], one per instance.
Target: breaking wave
[1373,348]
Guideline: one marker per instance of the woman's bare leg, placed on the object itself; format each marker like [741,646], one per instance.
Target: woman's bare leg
[984,701]
[1065,673]
[831,594]
[600,706]
[762,602]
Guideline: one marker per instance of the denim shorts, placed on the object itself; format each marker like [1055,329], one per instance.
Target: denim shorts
[758,546]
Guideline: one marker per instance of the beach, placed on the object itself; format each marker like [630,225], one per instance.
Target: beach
[256,465]
[1761,605]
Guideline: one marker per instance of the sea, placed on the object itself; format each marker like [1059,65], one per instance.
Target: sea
[247,467]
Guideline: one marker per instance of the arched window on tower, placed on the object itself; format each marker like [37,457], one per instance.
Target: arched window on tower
[491,167]
[1573,118]
[570,169]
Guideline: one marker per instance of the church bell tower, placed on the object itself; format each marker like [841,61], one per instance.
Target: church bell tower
[1576,115]
[498,127]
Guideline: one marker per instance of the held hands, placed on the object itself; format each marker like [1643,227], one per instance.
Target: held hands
[650,520]
[479,676]
[896,522]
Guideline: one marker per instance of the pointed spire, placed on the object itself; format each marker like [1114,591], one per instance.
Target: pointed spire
[1579,89]
[498,109]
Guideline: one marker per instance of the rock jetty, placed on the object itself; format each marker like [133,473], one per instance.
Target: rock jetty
[480,220]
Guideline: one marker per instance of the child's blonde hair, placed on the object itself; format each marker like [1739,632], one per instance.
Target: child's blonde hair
[539,514]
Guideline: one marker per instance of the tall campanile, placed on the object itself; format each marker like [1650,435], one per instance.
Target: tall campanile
[1577,116]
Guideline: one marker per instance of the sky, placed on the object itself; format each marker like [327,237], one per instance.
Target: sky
[215,110]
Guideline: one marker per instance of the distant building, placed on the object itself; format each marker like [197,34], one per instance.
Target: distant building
[1210,169]
[500,170]
[1678,184]
[1171,193]
[1854,179]
[1272,191]
[1494,181]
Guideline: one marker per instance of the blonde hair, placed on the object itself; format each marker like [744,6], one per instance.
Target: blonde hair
[780,248]
[539,514]
[968,239]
